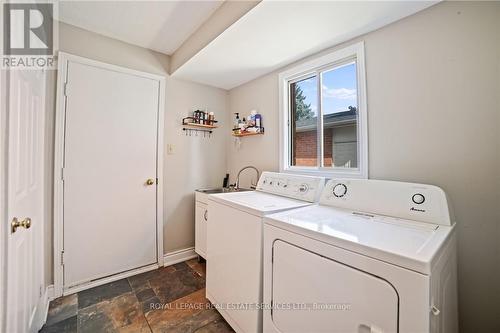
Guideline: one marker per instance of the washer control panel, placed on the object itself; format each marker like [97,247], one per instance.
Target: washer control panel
[418,198]
[418,202]
[339,190]
[305,188]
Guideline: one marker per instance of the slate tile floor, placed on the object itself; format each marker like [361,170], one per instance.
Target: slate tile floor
[169,299]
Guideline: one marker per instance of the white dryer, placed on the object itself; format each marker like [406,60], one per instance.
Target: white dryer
[373,256]
[234,243]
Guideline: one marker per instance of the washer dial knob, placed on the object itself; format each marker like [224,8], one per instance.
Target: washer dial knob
[418,198]
[339,190]
[303,188]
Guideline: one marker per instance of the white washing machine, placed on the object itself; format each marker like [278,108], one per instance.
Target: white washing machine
[234,243]
[373,256]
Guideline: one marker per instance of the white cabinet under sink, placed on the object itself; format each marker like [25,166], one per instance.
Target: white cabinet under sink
[200,227]
[200,234]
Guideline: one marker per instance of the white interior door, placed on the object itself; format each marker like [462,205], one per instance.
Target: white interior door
[25,199]
[328,296]
[110,151]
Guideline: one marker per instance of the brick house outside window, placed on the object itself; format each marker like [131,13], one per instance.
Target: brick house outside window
[340,143]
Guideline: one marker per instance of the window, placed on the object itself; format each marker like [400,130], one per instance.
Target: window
[323,116]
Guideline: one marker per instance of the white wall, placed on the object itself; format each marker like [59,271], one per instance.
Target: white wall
[433,83]
[260,150]
[196,162]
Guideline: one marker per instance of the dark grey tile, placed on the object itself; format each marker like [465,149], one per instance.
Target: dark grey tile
[92,320]
[141,281]
[180,266]
[62,308]
[177,284]
[153,300]
[196,321]
[121,314]
[139,286]
[68,325]
[145,294]
[151,304]
[101,293]
[216,326]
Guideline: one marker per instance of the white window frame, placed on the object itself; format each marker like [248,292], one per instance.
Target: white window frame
[314,67]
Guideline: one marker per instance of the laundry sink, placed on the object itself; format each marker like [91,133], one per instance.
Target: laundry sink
[201,195]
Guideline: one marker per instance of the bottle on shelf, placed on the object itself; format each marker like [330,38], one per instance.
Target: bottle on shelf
[236,122]
[258,120]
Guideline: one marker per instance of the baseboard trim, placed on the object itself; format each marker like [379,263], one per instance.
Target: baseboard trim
[50,292]
[178,256]
[108,279]
[170,258]
[43,306]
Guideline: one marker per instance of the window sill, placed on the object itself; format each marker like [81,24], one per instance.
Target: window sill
[327,172]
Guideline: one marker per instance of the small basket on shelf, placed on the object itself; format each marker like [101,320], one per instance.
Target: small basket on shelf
[250,126]
[248,131]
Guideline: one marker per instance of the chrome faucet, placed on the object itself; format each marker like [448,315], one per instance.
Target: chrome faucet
[237,185]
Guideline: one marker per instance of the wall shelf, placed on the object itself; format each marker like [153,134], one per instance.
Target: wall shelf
[246,134]
[193,125]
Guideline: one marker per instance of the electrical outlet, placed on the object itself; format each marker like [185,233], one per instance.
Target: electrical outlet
[170,149]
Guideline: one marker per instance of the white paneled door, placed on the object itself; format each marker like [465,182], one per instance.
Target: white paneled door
[110,172]
[26,94]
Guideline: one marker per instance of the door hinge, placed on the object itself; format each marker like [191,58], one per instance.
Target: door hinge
[62,173]
[62,258]
[66,89]
[271,307]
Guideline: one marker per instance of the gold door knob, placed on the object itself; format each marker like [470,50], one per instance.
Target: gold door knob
[150,181]
[26,223]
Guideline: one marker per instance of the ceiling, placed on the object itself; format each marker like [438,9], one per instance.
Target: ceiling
[157,25]
[276,33]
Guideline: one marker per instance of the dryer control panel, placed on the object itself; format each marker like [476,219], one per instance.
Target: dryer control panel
[304,188]
[418,202]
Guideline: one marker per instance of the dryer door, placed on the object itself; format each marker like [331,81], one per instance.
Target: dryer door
[312,293]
